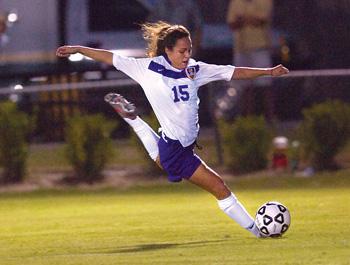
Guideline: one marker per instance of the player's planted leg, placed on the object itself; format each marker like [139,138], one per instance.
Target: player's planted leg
[236,211]
[209,180]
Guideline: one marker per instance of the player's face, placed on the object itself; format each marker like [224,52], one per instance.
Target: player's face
[180,54]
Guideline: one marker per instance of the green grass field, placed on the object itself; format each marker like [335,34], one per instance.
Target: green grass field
[175,224]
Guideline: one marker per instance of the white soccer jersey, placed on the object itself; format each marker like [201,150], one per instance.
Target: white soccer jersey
[171,92]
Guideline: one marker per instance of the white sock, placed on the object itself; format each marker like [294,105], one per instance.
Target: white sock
[235,210]
[146,134]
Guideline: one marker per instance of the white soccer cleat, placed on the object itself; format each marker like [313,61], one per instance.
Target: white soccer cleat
[124,108]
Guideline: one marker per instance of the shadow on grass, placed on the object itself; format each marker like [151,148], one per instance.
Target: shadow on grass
[159,246]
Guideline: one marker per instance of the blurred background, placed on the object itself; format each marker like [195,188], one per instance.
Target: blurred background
[309,37]
[306,34]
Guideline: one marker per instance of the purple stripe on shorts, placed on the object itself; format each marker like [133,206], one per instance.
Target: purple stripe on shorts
[178,161]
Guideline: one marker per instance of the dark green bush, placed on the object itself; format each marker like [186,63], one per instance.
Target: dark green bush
[247,141]
[89,146]
[324,132]
[14,129]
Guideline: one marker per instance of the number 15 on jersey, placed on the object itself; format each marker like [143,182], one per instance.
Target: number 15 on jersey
[180,93]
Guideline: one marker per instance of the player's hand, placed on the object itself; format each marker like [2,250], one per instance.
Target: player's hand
[66,51]
[279,70]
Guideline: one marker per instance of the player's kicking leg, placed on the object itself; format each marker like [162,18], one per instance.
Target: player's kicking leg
[128,112]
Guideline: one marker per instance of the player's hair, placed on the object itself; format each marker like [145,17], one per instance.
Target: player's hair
[161,35]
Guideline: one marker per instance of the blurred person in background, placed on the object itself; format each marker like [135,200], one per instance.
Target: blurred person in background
[3,28]
[250,22]
[170,79]
[181,12]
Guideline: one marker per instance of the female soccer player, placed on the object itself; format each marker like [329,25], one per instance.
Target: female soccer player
[170,80]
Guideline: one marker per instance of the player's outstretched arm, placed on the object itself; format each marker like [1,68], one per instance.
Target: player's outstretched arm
[249,73]
[99,55]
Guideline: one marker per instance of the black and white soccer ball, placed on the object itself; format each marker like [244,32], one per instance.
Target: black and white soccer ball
[272,219]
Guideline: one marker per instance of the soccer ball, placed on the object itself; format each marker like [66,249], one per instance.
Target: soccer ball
[272,219]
